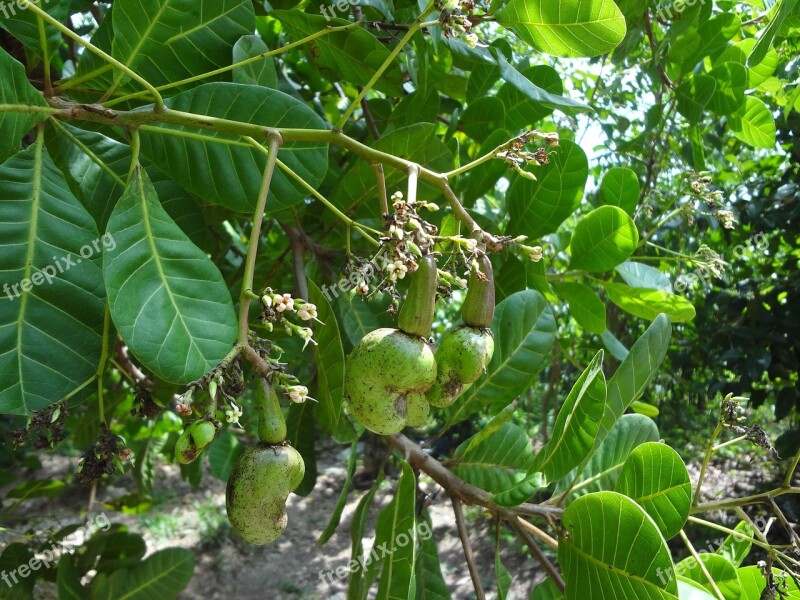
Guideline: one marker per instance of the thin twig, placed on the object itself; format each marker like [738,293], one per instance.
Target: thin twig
[468,554]
[547,565]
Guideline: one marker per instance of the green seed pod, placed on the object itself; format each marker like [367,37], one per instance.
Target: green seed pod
[261,480]
[478,307]
[416,315]
[271,424]
[461,358]
[386,372]
[194,440]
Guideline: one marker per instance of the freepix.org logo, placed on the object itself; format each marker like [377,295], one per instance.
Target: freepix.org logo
[10,9]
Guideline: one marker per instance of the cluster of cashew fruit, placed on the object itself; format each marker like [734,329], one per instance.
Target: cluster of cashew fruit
[393,376]
[264,474]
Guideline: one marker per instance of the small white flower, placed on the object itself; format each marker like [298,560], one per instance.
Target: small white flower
[396,270]
[297,393]
[306,334]
[283,302]
[307,312]
[535,254]
[362,289]
[233,414]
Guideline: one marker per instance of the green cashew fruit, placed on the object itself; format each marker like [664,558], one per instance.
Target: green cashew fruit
[261,480]
[271,424]
[466,350]
[389,370]
[461,359]
[194,439]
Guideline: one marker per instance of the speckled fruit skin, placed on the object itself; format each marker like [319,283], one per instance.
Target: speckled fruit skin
[388,373]
[193,440]
[461,358]
[259,484]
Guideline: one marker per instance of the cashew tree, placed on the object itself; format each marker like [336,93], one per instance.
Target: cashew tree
[231,230]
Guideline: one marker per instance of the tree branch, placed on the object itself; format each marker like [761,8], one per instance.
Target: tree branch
[468,554]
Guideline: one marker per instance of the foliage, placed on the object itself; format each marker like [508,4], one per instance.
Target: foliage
[195,193]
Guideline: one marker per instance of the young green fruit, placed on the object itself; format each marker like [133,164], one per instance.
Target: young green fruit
[271,424]
[478,307]
[261,480]
[461,358]
[416,315]
[194,440]
[387,375]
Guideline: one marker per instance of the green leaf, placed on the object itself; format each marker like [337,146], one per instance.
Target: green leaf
[418,143]
[708,39]
[503,577]
[521,491]
[524,331]
[648,304]
[721,570]
[68,582]
[754,124]
[736,547]
[498,463]
[655,476]
[356,583]
[162,575]
[37,488]
[693,95]
[752,583]
[357,316]
[52,305]
[612,549]
[568,29]
[154,276]
[14,555]
[602,470]
[644,276]
[23,24]
[604,238]
[161,39]
[546,590]
[336,516]
[329,358]
[301,433]
[147,453]
[353,55]
[223,453]
[221,168]
[731,78]
[584,305]
[539,207]
[620,187]
[576,425]
[781,10]
[396,530]
[636,372]
[262,72]
[15,89]
[430,581]
[689,590]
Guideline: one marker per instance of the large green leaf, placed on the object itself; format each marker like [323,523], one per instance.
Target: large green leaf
[24,25]
[584,305]
[162,575]
[644,276]
[68,582]
[221,168]
[736,547]
[223,454]
[693,95]
[430,581]
[568,28]
[301,432]
[604,238]
[329,356]
[539,207]
[262,72]
[524,331]
[418,143]
[648,303]
[753,124]
[752,583]
[336,515]
[170,40]
[612,549]
[546,591]
[356,581]
[577,424]
[396,530]
[655,476]
[782,10]
[498,462]
[52,305]
[602,470]
[167,299]
[620,187]
[15,89]
[635,373]
[356,316]
[718,567]
[353,55]
[520,112]
[731,78]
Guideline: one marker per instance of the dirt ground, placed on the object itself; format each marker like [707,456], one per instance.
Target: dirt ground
[294,567]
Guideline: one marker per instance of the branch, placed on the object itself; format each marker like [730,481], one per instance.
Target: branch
[548,566]
[468,554]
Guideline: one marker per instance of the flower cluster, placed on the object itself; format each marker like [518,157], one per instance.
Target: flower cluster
[278,306]
[454,23]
